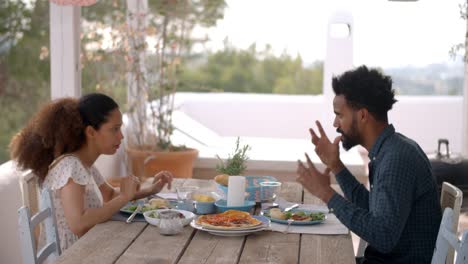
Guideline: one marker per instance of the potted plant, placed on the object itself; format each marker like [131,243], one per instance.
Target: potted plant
[235,164]
[153,80]
[134,51]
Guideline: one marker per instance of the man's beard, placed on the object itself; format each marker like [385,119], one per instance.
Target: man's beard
[351,139]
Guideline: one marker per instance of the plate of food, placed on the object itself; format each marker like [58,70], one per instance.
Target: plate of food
[300,216]
[229,220]
[153,204]
[153,216]
[231,223]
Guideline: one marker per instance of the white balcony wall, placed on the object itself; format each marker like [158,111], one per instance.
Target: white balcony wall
[428,118]
[422,118]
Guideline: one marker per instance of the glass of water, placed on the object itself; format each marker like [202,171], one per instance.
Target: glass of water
[269,191]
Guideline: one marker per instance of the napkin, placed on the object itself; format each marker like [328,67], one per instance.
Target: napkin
[331,225]
[119,216]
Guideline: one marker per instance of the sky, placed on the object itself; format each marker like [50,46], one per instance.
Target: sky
[386,33]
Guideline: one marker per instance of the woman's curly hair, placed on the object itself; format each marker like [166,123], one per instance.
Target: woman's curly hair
[366,88]
[56,129]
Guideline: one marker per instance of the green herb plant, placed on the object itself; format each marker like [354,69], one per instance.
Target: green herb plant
[236,162]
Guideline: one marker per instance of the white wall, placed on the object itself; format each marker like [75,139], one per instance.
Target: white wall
[428,118]
[10,195]
[422,118]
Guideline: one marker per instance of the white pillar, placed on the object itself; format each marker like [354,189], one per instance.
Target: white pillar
[465,99]
[137,91]
[339,53]
[65,69]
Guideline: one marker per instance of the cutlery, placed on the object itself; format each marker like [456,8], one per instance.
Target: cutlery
[130,218]
[275,205]
[290,221]
[287,209]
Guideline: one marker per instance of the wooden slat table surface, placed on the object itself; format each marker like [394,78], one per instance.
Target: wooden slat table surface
[138,242]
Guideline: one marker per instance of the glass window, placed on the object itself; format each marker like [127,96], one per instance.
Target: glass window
[411,41]
[24,65]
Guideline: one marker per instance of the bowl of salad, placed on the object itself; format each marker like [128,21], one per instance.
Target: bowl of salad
[153,216]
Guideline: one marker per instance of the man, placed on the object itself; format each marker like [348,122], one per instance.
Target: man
[400,215]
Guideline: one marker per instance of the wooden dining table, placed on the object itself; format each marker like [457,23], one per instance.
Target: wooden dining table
[139,242]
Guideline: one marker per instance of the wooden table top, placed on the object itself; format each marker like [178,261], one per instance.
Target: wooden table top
[139,242]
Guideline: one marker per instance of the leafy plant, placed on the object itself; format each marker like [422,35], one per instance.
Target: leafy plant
[235,164]
[149,43]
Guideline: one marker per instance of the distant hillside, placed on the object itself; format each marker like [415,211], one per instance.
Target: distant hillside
[434,79]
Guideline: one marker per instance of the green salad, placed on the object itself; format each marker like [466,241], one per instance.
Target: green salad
[145,208]
[295,215]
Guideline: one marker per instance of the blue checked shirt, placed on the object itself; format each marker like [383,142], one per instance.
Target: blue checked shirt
[400,215]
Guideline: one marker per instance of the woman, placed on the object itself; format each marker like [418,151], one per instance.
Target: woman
[60,145]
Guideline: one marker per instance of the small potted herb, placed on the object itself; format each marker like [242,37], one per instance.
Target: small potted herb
[235,164]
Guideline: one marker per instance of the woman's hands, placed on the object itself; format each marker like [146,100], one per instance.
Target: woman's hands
[160,179]
[128,187]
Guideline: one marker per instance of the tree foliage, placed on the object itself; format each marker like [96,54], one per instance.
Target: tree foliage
[24,67]
[25,62]
[251,71]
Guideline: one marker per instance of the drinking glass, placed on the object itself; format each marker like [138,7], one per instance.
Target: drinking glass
[184,197]
[269,191]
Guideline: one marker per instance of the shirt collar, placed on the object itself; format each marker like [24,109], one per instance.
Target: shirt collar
[387,132]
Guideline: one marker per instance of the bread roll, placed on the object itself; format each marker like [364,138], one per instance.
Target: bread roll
[159,203]
[203,198]
[277,214]
[222,179]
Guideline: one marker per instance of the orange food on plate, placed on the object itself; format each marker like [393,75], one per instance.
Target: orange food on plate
[231,219]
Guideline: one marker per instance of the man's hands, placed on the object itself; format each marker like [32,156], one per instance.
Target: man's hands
[314,181]
[327,151]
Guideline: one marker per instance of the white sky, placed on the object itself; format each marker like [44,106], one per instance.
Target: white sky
[386,34]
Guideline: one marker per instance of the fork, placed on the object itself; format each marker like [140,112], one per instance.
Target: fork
[290,221]
[130,218]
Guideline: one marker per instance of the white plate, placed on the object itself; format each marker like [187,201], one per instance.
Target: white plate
[265,221]
[227,232]
[155,221]
[244,232]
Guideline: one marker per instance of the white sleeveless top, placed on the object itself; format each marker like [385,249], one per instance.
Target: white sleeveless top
[61,170]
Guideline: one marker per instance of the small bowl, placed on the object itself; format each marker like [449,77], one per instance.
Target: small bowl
[222,206]
[206,207]
[155,221]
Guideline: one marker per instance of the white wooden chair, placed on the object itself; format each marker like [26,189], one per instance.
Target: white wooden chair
[27,225]
[447,238]
[30,193]
[450,197]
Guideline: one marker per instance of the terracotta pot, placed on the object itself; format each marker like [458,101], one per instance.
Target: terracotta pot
[147,163]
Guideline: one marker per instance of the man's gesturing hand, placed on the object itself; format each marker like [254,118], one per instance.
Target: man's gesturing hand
[314,181]
[327,151]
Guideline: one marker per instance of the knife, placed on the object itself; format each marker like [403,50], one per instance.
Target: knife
[287,209]
[130,218]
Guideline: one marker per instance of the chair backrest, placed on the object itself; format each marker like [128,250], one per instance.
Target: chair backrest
[447,238]
[26,228]
[30,194]
[451,197]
